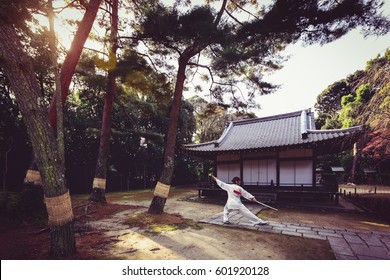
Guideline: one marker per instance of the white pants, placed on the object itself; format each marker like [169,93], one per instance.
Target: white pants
[244,211]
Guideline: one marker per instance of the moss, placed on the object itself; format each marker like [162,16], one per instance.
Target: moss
[161,228]
[159,223]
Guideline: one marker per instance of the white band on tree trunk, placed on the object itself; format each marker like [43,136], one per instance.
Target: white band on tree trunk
[99,183]
[59,209]
[33,176]
[161,190]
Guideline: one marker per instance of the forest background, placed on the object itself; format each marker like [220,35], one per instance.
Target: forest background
[141,114]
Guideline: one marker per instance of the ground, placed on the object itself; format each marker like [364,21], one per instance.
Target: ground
[122,229]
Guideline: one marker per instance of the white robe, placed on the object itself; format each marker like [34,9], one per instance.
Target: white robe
[234,201]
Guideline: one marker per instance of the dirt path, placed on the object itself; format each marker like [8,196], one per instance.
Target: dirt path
[203,241]
[123,229]
[216,242]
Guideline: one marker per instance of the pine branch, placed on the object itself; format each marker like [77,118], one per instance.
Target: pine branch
[208,69]
[246,11]
[70,4]
[97,51]
[84,3]
[220,13]
[234,18]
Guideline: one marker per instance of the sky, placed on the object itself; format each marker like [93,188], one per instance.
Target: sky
[312,69]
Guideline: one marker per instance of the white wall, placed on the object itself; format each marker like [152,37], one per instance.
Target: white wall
[293,172]
[287,173]
[259,172]
[227,171]
[304,172]
[296,172]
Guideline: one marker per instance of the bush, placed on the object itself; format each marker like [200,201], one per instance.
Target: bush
[27,205]
[363,93]
[31,200]
[346,99]
[377,203]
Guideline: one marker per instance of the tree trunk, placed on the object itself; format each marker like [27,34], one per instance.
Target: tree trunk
[19,70]
[57,83]
[73,55]
[66,73]
[5,172]
[354,163]
[62,242]
[4,200]
[99,182]
[163,185]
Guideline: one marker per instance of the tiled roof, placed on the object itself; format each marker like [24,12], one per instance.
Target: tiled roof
[292,129]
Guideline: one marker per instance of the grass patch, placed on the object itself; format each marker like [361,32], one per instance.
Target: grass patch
[142,194]
[77,197]
[137,195]
[158,223]
[159,229]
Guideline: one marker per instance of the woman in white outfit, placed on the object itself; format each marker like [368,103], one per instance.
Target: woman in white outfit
[235,192]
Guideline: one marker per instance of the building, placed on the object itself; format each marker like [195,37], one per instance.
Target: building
[276,153]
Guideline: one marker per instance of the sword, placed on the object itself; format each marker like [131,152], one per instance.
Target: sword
[265,205]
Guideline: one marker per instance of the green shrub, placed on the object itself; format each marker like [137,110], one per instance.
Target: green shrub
[363,93]
[27,205]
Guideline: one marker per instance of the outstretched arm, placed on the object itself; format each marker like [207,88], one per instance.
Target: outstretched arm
[221,184]
[247,195]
